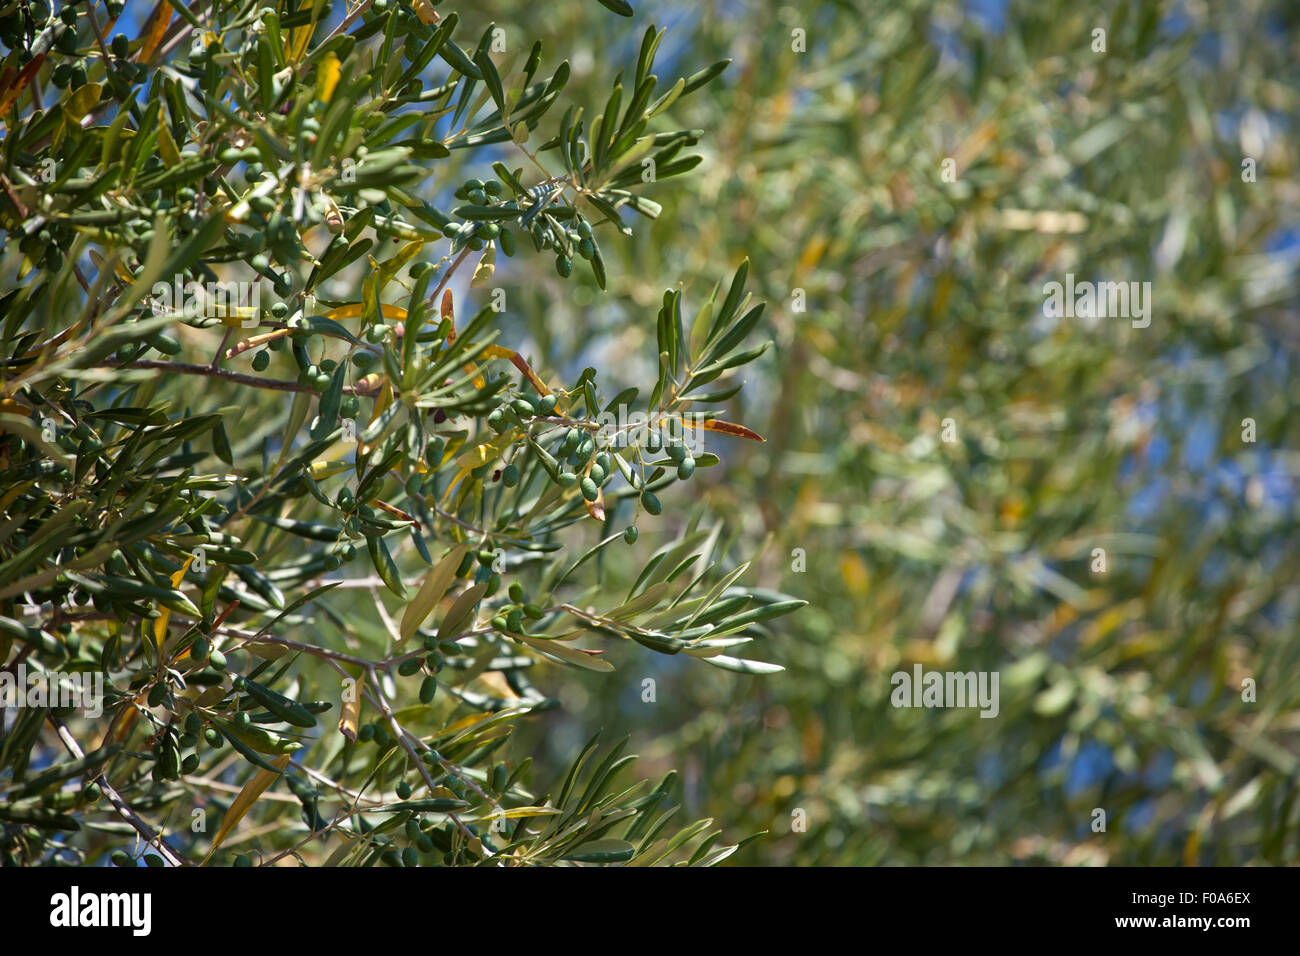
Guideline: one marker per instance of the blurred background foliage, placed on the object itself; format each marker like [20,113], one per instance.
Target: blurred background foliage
[898,301]
[922,302]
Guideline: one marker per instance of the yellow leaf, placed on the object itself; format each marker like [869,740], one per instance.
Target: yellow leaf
[12,494]
[249,795]
[812,254]
[462,724]
[153,31]
[327,77]
[480,455]
[81,102]
[448,314]
[11,88]
[356,309]
[498,351]
[167,147]
[477,457]
[324,468]
[76,106]
[486,266]
[515,813]
[727,428]
[295,43]
[431,591]
[424,10]
[350,714]
[596,508]
[160,623]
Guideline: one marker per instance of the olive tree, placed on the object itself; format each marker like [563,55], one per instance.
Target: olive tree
[292,518]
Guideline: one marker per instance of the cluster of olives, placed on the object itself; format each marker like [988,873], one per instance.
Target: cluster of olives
[271,225]
[679,453]
[138,232]
[73,75]
[318,375]
[432,663]
[476,234]
[576,459]
[580,241]
[510,617]
[12,26]
[44,248]
[513,411]
[417,829]
[168,763]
